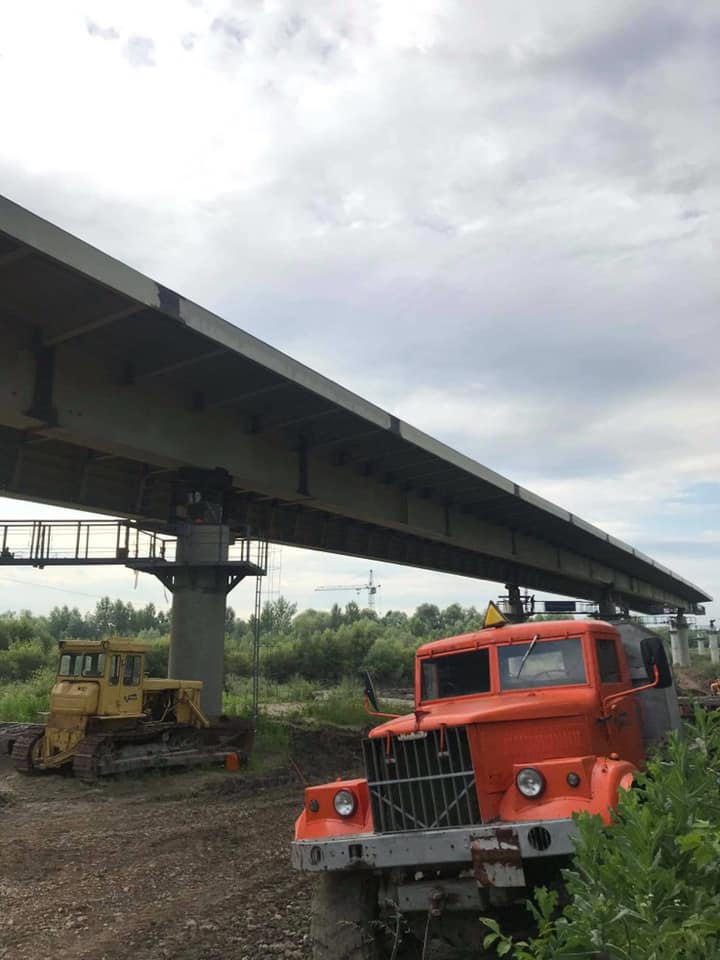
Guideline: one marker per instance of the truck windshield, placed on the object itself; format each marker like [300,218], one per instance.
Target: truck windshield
[550,663]
[456,675]
[81,665]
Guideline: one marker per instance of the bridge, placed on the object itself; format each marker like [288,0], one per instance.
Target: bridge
[119,396]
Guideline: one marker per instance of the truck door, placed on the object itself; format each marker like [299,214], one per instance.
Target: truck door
[623,728]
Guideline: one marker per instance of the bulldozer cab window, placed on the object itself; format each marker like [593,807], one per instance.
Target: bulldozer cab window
[115,670]
[133,671]
[548,663]
[456,675]
[67,666]
[93,665]
[81,665]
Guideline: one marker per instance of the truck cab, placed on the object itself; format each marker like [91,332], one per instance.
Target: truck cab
[515,728]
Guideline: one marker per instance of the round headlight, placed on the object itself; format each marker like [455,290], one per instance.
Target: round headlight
[530,782]
[344,803]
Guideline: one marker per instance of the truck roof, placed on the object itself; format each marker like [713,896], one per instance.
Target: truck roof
[513,633]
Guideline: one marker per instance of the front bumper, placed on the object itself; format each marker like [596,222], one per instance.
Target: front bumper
[495,851]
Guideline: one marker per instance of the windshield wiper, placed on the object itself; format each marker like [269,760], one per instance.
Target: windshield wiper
[527,654]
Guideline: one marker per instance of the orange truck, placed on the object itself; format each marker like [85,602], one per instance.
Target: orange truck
[468,801]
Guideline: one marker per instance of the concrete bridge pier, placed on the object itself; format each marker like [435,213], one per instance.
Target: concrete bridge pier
[679,641]
[607,607]
[197,626]
[515,606]
[200,579]
[713,646]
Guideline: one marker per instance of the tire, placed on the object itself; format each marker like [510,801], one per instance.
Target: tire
[344,915]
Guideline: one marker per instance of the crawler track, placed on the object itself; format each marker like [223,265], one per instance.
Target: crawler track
[23,748]
[102,754]
[87,756]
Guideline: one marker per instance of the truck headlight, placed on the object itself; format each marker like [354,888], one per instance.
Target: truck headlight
[344,803]
[530,782]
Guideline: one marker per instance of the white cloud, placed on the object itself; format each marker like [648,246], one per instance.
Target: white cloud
[494,219]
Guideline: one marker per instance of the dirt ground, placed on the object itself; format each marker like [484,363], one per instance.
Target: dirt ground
[187,866]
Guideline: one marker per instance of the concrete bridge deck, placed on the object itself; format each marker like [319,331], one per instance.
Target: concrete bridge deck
[112,385]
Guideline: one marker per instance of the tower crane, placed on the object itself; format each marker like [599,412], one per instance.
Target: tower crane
[371,586]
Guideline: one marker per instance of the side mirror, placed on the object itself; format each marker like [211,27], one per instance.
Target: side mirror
[369,691]
[655,658]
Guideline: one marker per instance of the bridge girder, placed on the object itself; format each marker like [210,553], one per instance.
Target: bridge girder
[111,386]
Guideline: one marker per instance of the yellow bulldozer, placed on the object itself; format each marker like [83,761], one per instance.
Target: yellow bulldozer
[106,716]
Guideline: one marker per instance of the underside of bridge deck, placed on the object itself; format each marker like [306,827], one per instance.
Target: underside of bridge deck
[117,393]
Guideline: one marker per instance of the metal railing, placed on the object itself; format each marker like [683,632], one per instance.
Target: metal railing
[41,543]
[46,542]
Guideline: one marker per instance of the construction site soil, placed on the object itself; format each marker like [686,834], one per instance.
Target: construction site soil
[188,866]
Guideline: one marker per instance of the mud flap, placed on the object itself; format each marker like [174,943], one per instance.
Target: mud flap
[496,859]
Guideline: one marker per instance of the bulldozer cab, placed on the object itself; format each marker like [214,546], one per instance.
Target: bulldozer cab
[102,678]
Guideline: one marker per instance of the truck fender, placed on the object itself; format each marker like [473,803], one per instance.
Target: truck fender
[608,778]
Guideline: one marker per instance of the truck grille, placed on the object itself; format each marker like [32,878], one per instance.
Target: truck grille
[416,786]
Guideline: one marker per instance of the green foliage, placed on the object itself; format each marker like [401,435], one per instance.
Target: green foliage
[21,660]
[301,653]
[23,701]
[648,886]
[391,660]
[343,705]
[156,661]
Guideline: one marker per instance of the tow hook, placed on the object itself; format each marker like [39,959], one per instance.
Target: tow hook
[437,902]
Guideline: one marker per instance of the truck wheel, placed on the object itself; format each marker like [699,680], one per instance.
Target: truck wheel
[343,923]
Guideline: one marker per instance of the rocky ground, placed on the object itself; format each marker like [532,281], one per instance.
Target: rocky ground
[188,866]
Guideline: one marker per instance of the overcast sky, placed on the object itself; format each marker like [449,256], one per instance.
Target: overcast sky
[496,220]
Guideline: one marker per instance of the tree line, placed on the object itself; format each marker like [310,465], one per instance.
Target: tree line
[322,646]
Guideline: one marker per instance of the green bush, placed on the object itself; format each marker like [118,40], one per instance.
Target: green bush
[391,661]
[156,661]
[22,702]
[647,887]
[21,660]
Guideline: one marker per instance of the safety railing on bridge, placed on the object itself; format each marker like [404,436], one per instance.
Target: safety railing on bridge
[44,542]
[41,543]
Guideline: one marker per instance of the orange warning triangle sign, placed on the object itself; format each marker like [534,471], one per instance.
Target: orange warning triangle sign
[493,617]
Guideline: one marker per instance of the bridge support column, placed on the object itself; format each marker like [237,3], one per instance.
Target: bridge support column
[200,579]
[607,610]
[713,645]
[197,626]
[679,641]
[516,607]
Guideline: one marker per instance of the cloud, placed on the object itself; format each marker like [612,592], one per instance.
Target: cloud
[492,219]
[140,51]
[234,31]
[105,33]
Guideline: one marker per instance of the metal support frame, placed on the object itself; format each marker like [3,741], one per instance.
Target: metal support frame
[257,630]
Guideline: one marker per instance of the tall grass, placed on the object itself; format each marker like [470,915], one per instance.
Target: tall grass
[340,704]
[291,696]
[23,702]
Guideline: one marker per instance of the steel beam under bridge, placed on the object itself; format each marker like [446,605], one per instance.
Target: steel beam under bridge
[112,386]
